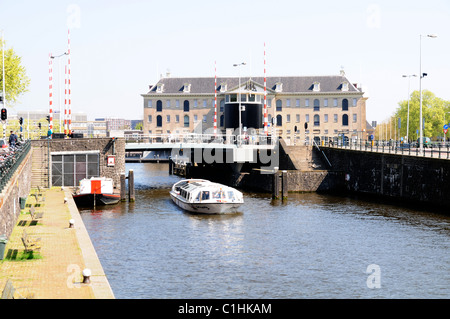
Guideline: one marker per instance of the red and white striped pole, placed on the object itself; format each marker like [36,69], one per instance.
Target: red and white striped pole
[50,88]
[65,100]
[69,105]
[215,99]
[265,93]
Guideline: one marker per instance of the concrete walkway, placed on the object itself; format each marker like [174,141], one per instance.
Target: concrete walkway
[56,271]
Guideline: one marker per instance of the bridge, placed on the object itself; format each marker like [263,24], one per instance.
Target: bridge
[159,147]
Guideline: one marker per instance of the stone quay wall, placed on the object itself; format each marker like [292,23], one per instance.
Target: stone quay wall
[18,186]
[407,178]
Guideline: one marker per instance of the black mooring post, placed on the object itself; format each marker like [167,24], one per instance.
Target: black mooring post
[284,185]
[275,186]
[131,197]
[123,186]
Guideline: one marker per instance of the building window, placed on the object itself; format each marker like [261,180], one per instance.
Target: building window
[307,118]
[205,119]
[297,102]
[344,105]
[335,102]
[316,87]
[355,102]
[177,118]
[221,120]
[279,87]
[279,120]
[288,102]
[316,120]
[187,88]
[288,118]
[168,103]
[306,102]
[149,119]
[205,103]
[325,102]
[345,120]
[316,105]
[168,118]
[195,118]
[335,117]
[222,105]
[325,118]
[149,103]
[186,121]
[159,106]
[195,103]
[186,106]
[159,121]
[279,105]
[355,118]
[345,86]
[297,118]
[177,103]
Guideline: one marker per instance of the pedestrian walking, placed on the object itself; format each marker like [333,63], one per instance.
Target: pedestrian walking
[12,139]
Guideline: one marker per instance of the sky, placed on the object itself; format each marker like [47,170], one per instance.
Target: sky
[119,48]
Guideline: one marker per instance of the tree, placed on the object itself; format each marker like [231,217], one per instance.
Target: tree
[434,110]
[17,81]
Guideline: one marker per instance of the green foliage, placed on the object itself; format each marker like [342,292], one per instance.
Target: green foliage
[434,111]
[17,81]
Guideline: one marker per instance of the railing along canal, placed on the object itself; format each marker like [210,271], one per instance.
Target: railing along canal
[435,150]
[10,161]
[244,139]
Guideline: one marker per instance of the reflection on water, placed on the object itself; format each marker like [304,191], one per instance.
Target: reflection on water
[311,246]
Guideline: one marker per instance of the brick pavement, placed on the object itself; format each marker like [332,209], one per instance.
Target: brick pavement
[56,273]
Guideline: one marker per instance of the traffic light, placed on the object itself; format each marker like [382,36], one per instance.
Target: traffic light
[20,120]
[4,114]
[39,124]
[48,118]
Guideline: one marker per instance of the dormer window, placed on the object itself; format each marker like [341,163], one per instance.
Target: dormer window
[316,87]
[187,88]
[345,86]
[278,87]
[159,87]
[223,87]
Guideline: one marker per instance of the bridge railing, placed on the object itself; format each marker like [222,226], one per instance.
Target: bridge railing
[434,149]
[10,161]
[201,138]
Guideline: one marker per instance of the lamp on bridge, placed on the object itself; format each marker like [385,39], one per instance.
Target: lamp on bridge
[420,84]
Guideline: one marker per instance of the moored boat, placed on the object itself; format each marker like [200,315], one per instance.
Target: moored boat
[96,191]
[204,197]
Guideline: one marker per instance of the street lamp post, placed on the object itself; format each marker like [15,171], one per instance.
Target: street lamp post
[407,120]
[59,86]
[240,124]
[420,88]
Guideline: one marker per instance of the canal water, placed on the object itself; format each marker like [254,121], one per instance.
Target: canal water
[311,246]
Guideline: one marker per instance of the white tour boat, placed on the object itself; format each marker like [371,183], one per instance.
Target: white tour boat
[204,197]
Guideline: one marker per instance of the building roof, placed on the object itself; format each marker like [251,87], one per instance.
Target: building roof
[290,84]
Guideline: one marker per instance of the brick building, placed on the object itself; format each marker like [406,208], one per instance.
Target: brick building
[330,105]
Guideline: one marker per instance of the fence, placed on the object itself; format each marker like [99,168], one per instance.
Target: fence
[435,150]
[10,161]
